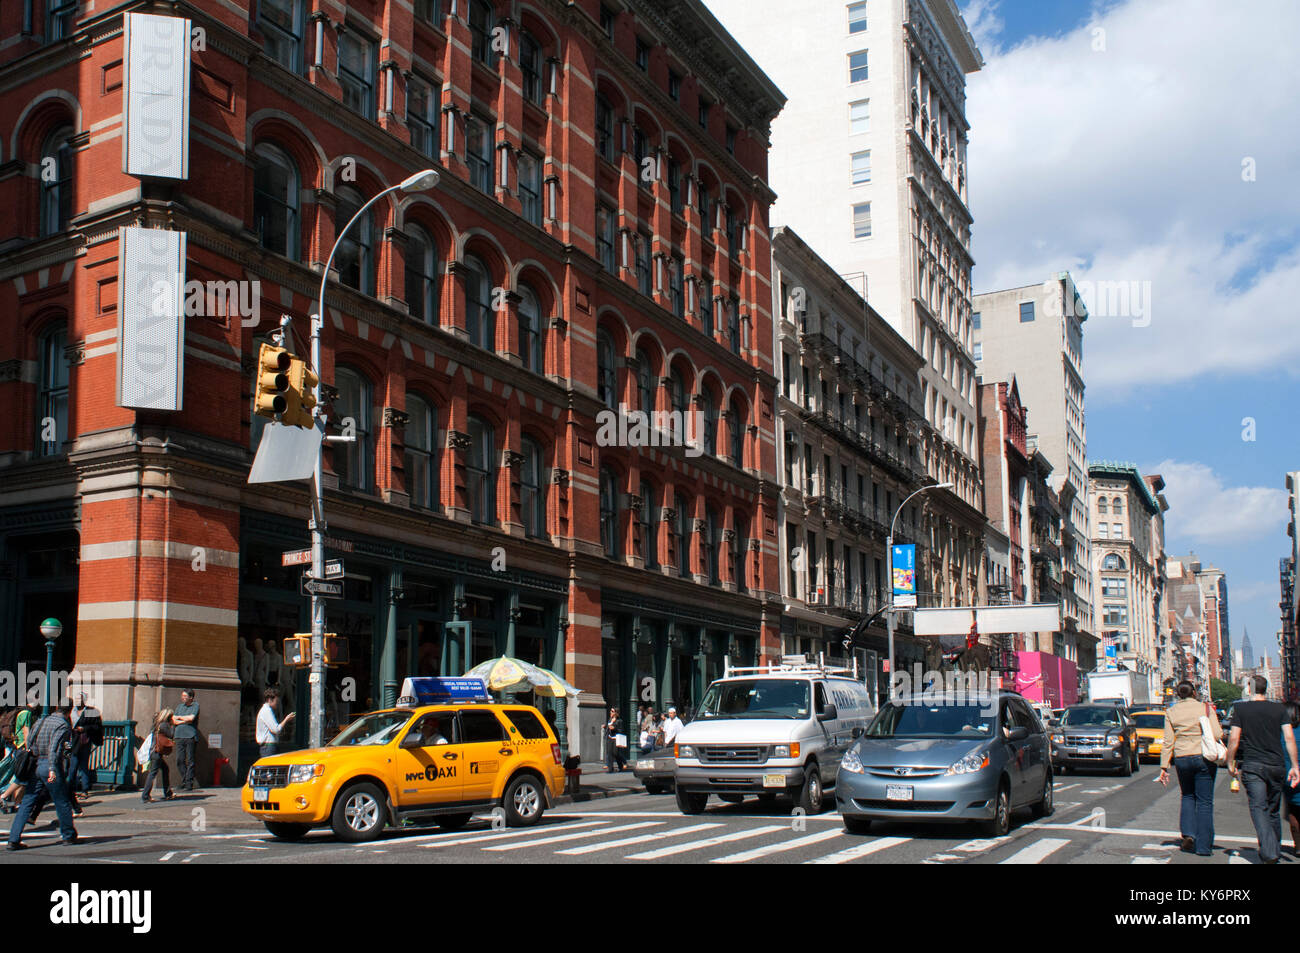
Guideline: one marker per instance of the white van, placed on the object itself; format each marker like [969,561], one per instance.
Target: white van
[771,730]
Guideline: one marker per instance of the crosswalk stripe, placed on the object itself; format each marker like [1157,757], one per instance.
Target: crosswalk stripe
[861,850]
[479,838]
[639,839]
[765,850]
[524,845]
[1151,860]
[1038,851]
[980,845]
[1066,787]
[707,842]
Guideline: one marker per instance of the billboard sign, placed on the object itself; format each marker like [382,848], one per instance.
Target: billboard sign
[150,318]
[156,96]
[904,575]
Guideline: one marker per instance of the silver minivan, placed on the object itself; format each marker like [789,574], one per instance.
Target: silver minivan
[769,731]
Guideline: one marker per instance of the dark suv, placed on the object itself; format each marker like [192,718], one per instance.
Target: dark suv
[1096,736]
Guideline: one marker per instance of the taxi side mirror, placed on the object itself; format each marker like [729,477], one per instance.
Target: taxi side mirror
[413,739]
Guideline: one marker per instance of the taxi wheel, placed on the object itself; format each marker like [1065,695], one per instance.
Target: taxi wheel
[283,831]
[524,801]
[452,822]
[359,813]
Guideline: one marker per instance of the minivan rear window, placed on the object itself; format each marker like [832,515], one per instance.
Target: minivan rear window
[529,725]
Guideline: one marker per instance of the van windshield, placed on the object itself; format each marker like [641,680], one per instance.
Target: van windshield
[756,698]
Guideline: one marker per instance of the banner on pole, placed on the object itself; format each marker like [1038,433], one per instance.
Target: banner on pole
[904,572]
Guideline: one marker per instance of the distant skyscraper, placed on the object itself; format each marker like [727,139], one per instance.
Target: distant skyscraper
[1247,650]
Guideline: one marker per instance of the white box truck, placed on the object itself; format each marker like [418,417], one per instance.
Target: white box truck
[1128,687]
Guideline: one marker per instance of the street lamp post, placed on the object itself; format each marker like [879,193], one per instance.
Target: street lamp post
[889,575]
[51,628]
[418,182]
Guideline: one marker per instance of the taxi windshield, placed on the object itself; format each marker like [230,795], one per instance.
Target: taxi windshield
[756,698]
[378,728]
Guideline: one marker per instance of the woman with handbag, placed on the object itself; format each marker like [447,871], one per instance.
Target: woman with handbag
[162,745]
[1191,742]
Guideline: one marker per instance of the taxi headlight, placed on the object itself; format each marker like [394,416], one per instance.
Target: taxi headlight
[301,773]
[970,764]
[851,762]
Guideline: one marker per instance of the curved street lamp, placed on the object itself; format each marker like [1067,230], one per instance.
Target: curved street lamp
[419,182]
[51,629]
[889,573]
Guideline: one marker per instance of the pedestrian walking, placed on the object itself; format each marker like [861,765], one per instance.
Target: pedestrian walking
[23,723]
[186,721]
[1183,747]
[1260,748]
[1292,793]
[269,724]
[672,725]
[615,743]
[87,734]
[161,745]
[51,741]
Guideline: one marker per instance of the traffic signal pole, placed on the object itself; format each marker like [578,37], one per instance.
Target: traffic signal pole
[316,677]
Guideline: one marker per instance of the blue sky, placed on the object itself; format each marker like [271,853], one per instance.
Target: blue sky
[1148,141]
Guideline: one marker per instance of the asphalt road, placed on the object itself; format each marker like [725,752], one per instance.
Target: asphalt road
[1099,819]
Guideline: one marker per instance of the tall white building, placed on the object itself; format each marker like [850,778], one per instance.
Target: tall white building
[868,162]
[1035,334]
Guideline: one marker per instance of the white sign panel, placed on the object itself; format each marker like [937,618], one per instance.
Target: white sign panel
[992,620]
[156,96]
[150,319]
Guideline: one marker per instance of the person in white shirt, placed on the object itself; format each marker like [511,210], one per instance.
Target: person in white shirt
[268,728]
[672,725]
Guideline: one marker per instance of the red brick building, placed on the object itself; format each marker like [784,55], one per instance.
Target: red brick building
[599,236]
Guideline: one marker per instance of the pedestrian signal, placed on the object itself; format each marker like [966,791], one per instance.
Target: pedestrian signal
[272,390]
[297,650]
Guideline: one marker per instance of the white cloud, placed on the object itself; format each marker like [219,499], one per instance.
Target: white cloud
[984,24]
[1203,510]
[1125,164]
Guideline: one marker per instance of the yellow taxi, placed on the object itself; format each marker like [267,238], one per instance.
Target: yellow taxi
[439,763]
[1150,733]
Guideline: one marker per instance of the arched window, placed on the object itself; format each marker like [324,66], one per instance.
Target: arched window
[606,376]
[1117,505]
[649,525]
[422,481]
[275,200]
[677,397]
[56,181]
[480,318]
[710,413]
[609,540]
[712,544]
[52,399]
[530,330]
[421,275]
[353,462]
[480,472]
[683,533]
[1101,505]
[530,65]
[532,489]
[738,423]
[1113,561]
[356,255]
[645,384]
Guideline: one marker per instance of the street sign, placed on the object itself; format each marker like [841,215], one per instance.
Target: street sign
[319,587]
[342,545]
[295,557]
[334,569]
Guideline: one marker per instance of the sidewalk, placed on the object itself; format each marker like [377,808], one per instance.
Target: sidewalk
[221,807]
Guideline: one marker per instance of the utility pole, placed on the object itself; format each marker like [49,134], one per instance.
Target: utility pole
[889,578]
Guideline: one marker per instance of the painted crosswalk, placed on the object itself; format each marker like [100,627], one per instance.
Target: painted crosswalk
[639,839]
[707,842]
[767,850]
[860,850]
[1038,851]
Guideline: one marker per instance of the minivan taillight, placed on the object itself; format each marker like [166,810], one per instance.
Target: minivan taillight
[555,753]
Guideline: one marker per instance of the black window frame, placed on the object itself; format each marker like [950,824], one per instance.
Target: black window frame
[267,156]
[361,87]
[285,43]
[480,316]
[480,471]
[532,488]
[421,459]
[53,389]
[421,278]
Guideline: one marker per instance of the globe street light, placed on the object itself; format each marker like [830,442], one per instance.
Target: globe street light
[51,628]
[889,574]
[418,182]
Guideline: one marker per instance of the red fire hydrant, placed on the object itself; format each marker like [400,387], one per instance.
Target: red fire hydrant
[216,770]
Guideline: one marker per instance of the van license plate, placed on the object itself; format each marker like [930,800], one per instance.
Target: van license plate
[774,780]
[898,792]
[261,794]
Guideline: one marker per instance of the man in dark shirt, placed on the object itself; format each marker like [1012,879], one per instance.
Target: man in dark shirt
[51,740]
[186,720]
[1259,730]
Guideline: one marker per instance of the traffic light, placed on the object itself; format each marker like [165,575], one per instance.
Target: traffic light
[302,390]
[272,393]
